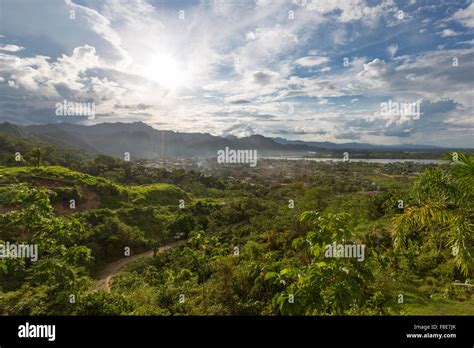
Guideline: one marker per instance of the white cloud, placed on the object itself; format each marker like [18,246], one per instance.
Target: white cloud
[465,16]
[350,10]
[311,61]
[374,73]
[109,51]
[448,33]
[37,74]
[263,44]
[392,50]
[11,48]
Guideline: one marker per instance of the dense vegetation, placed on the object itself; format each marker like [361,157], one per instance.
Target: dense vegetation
[252,247]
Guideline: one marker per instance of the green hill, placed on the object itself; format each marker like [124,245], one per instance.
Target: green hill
[161,194]
[88,191]
[13,140]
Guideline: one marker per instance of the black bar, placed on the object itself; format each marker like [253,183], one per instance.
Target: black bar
[288,331]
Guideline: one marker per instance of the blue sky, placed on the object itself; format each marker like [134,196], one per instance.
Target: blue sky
[301,69]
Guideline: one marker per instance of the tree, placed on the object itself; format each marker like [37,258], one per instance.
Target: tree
[442,212]
[326,285]
[104,303]
[37,155]
[61,266]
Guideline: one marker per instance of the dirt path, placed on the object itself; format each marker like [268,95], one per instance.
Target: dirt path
[109,271]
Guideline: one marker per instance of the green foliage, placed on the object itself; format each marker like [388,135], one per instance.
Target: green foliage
[325,285]
[441,214]
[62,264]
[103,303]
[109,238]
[158,194]
[109,193]
[247,252]
[34,152]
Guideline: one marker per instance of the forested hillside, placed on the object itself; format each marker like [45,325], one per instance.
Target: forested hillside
[248,247]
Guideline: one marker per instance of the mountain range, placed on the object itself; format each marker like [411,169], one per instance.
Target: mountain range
[144,141]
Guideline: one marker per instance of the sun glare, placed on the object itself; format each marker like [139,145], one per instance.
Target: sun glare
[165,70]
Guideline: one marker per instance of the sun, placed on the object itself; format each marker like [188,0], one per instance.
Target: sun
[166,71]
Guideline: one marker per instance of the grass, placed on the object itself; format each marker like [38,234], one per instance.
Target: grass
[438,306]
[383,180]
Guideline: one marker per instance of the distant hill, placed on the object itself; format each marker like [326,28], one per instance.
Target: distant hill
[356,146]
[144,141]
[16,139]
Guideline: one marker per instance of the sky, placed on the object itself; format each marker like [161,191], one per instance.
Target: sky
[314,70]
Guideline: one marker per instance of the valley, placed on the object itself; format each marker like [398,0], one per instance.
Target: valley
[108,248]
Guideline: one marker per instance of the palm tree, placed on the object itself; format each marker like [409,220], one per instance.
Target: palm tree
[442,211]
[464,166]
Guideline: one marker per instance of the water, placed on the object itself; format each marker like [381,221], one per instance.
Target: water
[366,160]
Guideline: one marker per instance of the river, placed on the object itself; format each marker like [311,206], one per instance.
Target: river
[367,160]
